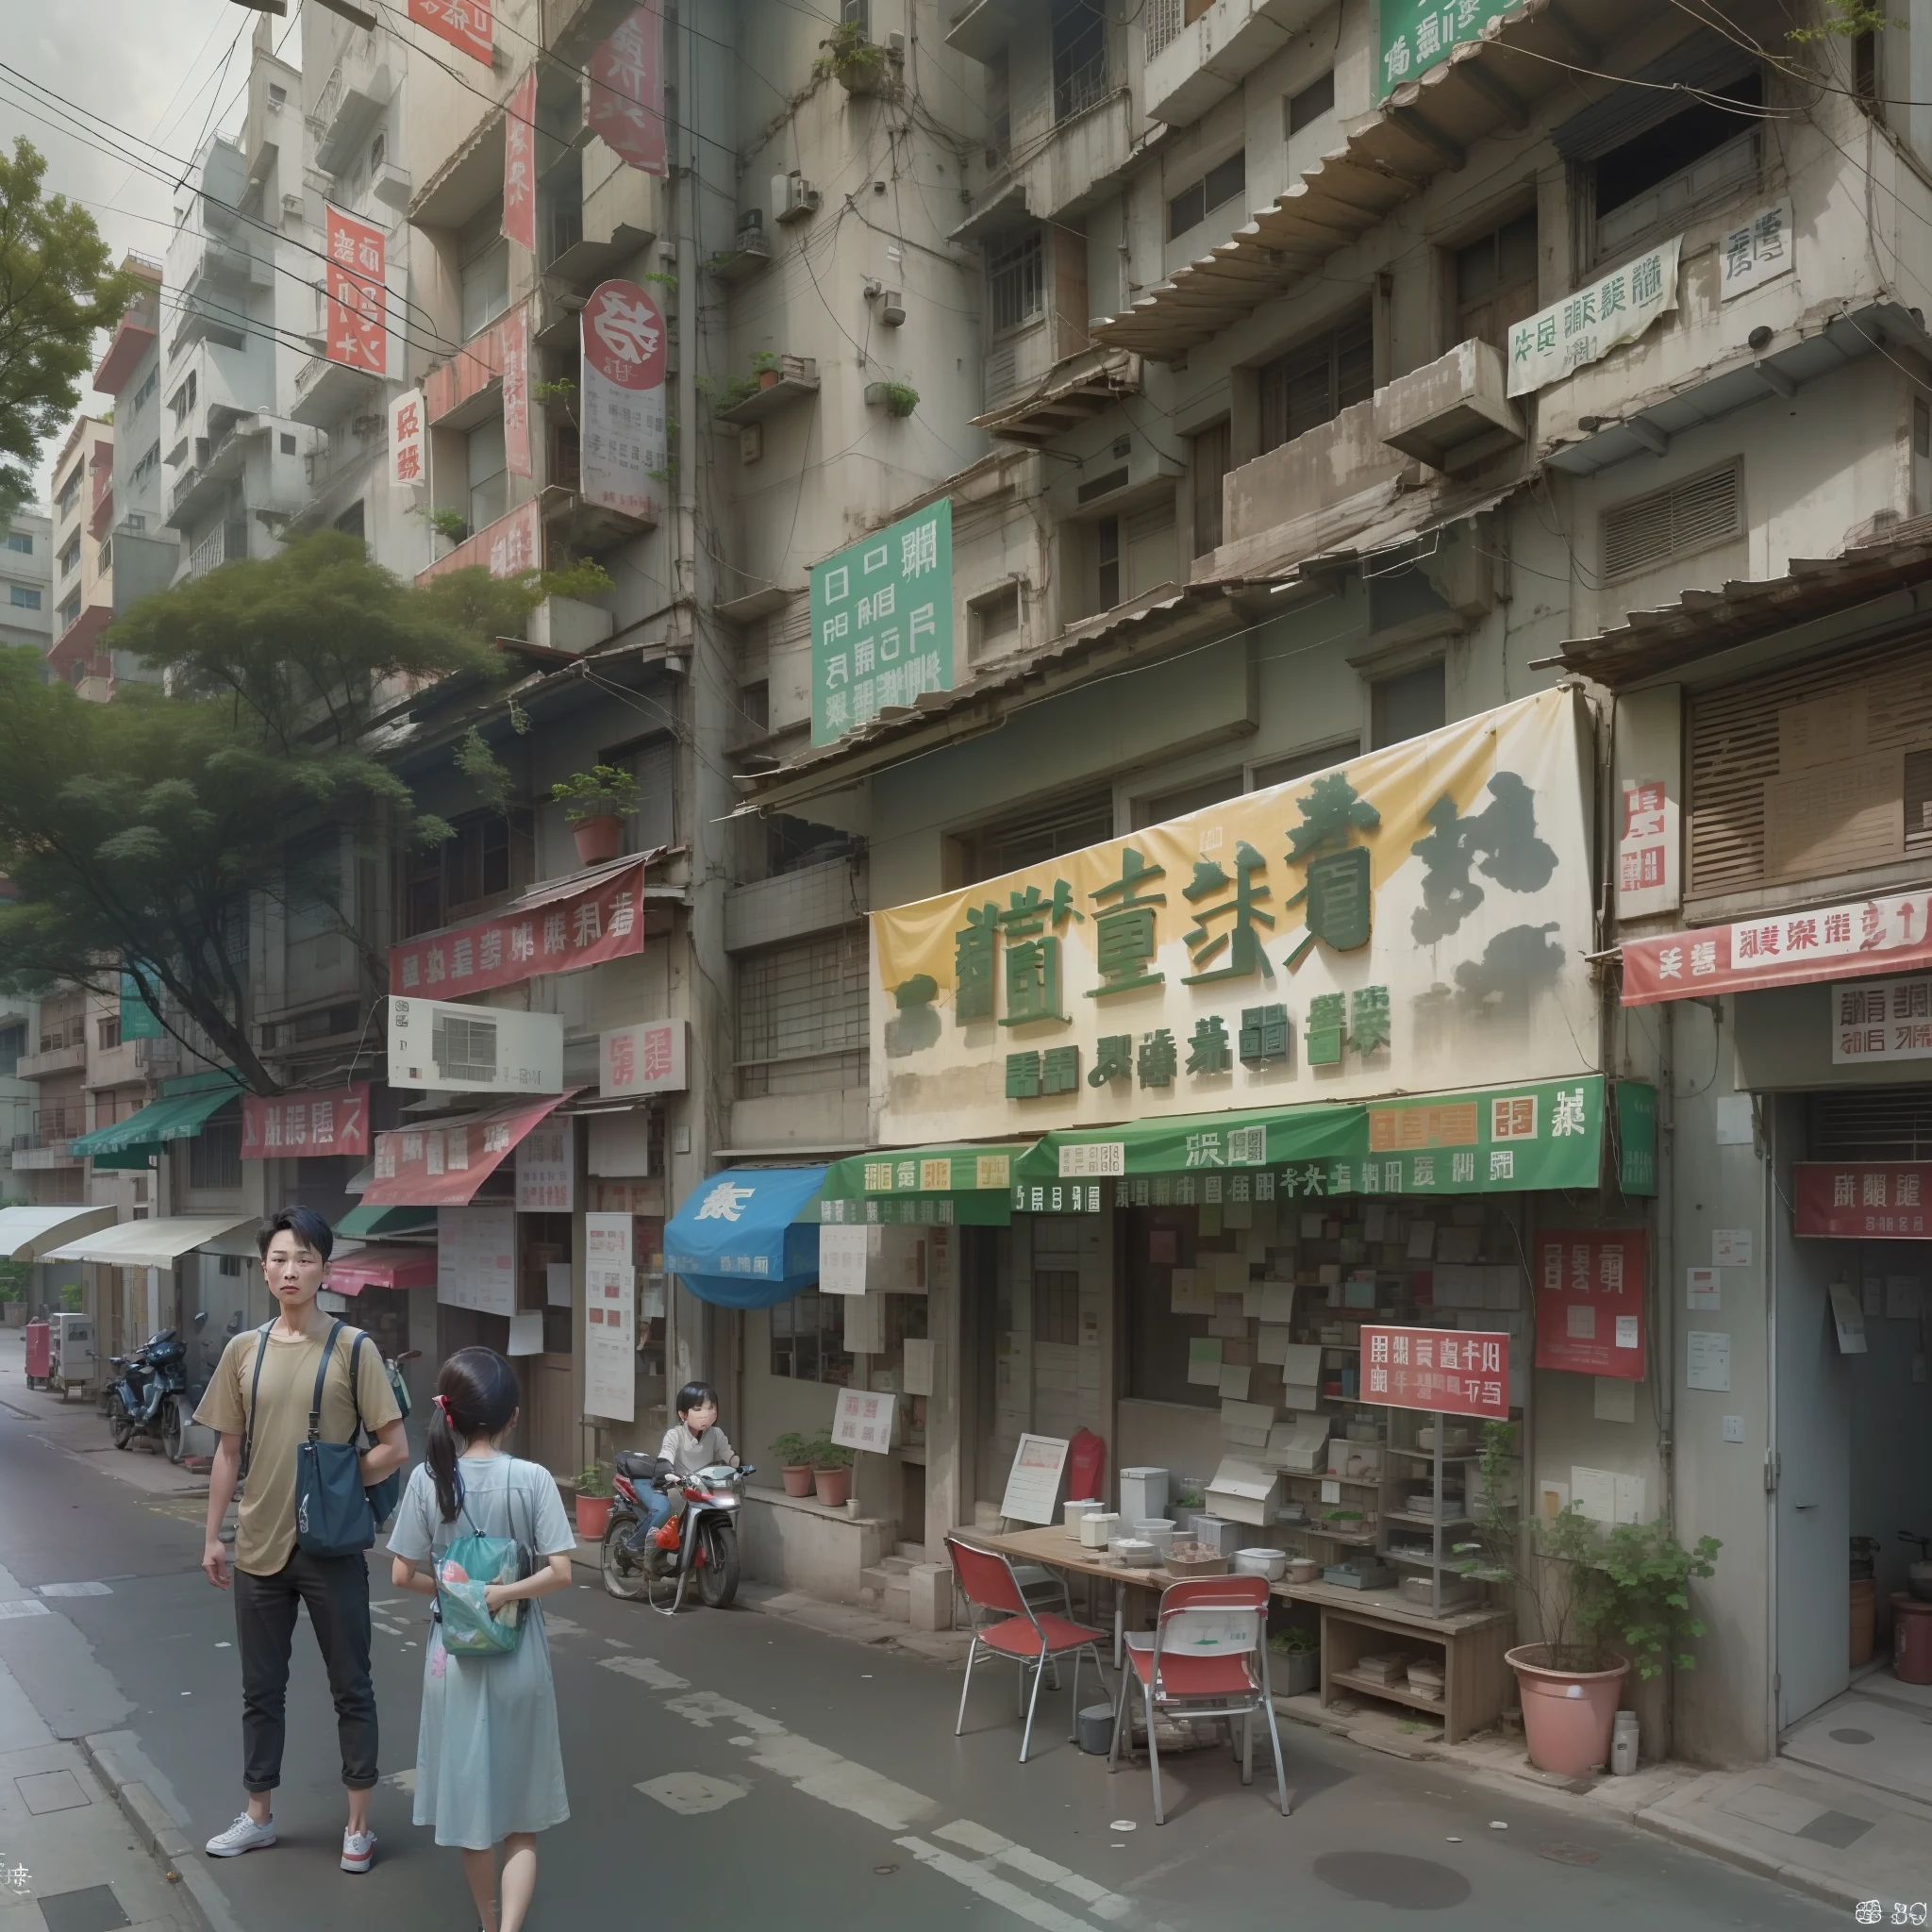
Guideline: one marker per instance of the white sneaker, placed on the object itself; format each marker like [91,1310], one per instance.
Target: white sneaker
[244,1835]
[359,1850]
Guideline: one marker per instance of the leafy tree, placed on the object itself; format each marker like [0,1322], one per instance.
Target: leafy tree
[139,831]
[56,291]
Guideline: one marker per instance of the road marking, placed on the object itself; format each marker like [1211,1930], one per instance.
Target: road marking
[1102,1902]
[996,1890]
[73,1590]
[646,1670]
[26,1607]
[403,1780]
[689,1792]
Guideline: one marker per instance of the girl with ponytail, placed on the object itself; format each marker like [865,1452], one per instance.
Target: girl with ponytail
[489,1766]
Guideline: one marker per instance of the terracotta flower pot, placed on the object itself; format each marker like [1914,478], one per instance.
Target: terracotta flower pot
[768,378]
[834,1487]
[594,1518]
[599,838]
[1567,1715]
[797,1479]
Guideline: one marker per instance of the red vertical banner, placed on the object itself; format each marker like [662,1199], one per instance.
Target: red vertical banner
[627,90]
[516,389]
[1589,1300]
[519,164]
[624,440]
[357,326]
[464,24]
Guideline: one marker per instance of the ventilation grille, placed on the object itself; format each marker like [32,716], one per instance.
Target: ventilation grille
[1066,824]
[1667,524]
[464,1049]
[1893,1124]
[1102,485]
[1001,371]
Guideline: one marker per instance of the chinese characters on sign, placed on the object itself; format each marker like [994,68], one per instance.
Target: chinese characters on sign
[882,621]
[1786,949]
[1863,1199]
[406,468]
[603,921]
[1760,249]
[476,1257]
[546,1169]
[626,108]
[464,24]
[650,1057]
[1453,1372]
[1644,844]
[1590,1297]
[519,166]
[1418,33]
[1881,1020]
[611,1314]
[295,1125]
[516,393]
[623,446]
[444,1166]
[1586,327]
[356,292]
[865,1421]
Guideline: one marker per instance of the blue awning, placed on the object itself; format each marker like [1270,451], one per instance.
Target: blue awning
[736,1240]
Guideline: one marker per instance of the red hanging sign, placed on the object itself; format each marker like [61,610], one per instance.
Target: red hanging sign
[335,1121]
[443,1165]
[627,90]
[604,920]
[520,163]
[356,292]
[1450,1371]
[1858,1200]
[1589,1296]
[464,24]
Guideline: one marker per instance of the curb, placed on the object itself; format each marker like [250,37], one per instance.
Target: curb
[200,1898]
[1713,1845]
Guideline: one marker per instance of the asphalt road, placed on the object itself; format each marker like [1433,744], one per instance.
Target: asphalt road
[820,1783]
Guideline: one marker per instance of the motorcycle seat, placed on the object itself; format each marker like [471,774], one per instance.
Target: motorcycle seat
[639,1465]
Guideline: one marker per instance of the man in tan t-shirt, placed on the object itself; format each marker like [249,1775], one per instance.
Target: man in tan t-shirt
[273,1574]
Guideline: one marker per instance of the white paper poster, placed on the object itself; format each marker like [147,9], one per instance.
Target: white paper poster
[609,1318]
[1707,1361]
[546,1168]
[1703,1289]
[1848,1317]
[864,1421]
[1730,1248]
[526,1333]
[476,1257]
[624,456]
[557,1284]
[843,1251]
[1033,1485]
[1584,327]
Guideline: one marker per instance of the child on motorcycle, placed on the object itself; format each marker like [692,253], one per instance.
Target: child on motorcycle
[696,1442]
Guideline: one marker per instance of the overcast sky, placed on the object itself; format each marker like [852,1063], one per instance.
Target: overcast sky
[149,66]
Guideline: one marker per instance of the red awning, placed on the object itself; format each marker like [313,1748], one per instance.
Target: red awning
[382,1265]
[443,1163]
[1850,941]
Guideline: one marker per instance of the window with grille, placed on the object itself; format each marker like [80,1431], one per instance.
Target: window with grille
[484,269]
[1048,831]
[1057,1306]
[1016,278]
[1654,181]
[1495,281]
[802,1016]
[214,1155]
[1196,203]
[1674,522]
[809,1339]
[1313,384]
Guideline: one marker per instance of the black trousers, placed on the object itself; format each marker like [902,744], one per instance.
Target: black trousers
[336,1590]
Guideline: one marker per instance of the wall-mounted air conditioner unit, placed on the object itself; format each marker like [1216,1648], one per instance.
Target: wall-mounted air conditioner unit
[438,1044]
[793,197]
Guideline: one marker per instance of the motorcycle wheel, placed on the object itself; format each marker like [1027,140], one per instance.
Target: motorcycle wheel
[621,1578]
[119,1424]
[718,1574]
[173,1428]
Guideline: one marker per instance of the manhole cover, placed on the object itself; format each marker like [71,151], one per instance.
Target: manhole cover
[1849,1736]
[1378,1879]
[1571,1854]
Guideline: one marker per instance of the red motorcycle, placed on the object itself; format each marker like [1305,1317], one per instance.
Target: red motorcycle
[699,1538]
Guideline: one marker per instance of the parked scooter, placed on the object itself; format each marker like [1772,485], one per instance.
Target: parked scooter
[148,1395]
[699,1540]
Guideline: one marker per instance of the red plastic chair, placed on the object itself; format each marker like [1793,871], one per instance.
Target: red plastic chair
[1032,1637]
[1206,1656]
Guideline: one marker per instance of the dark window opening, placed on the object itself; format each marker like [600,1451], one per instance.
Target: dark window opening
[1865,68]
[1217,186]
[1659,153]
[809,1339]
[1406,705]
[1106,551]
[1017,284]
[214,1156]
[1212,458]
[1079,56]
[1313,384]
[1316,99]
[1045,833]
[350,522]
[470,867]
[1495,282]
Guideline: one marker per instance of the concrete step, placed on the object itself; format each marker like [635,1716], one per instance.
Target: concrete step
[919,1553]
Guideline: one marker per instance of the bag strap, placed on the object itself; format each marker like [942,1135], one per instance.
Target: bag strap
[328,1349]
[254,1390]
[355,1390]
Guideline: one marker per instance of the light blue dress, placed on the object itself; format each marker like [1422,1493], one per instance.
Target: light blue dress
[488,1760]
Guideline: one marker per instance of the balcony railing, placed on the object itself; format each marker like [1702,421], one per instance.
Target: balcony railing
[1164,23]
[54,1126]
[1085,87]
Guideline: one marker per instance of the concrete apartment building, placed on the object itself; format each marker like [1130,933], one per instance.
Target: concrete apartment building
[27,574]
[84,557]
[146,549]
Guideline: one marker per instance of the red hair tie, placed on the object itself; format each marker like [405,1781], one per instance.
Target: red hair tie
[442,1402]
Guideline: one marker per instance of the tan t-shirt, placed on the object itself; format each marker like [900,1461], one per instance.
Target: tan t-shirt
[265,1523]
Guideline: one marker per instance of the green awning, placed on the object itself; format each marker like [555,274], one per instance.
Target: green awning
[1545,1134]
[177,1117]
[362,1224]
[966,1184]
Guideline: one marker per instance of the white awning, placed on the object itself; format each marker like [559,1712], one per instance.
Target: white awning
[150,1244]
[28,1233]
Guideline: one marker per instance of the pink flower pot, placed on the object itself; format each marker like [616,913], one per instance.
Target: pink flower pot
[1567,1715]
[599,838]
[834,1487]
[797,1479]
[594,1518]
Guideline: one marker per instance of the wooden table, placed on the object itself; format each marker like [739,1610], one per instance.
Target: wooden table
[1355,1623]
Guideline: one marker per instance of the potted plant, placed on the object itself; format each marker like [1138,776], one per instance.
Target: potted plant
[1299,1647]
[857,64]
[765,367]
[593,1503]
[594,802]
[1604,1603]
[831,1469]
[794,1452]
[895,398]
